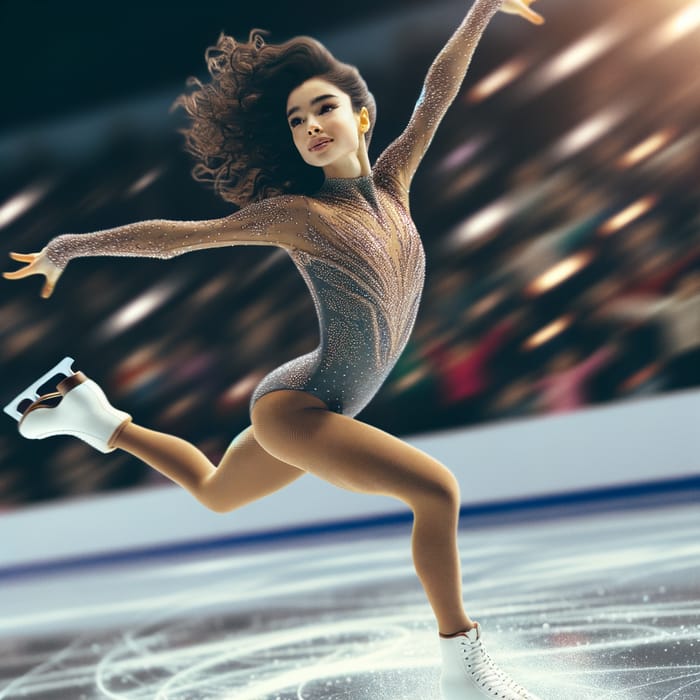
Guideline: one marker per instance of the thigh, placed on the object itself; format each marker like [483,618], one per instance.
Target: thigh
[297,428]
[248,472]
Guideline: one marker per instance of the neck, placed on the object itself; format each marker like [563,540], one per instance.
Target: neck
[357,165]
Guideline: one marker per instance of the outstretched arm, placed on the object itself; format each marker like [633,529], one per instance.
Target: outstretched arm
[441,86]
[279,221]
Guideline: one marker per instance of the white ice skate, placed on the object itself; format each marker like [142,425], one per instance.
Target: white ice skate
[83,412]
[468,673]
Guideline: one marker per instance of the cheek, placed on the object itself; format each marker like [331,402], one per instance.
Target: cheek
[353,136]
[344,128]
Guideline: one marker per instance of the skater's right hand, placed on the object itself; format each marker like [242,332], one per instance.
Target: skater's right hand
[38,264]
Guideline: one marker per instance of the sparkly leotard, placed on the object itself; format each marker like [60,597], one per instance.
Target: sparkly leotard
[354,242]
[365,276]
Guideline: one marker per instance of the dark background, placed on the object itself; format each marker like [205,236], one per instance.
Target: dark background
[61,59]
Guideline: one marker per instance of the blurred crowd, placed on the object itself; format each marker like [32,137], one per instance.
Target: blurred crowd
[563,267]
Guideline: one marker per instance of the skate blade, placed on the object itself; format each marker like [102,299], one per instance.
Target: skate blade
[30,393]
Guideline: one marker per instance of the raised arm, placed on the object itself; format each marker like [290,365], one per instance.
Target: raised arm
[279,221]
[441,86]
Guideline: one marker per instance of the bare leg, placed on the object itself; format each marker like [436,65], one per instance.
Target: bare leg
[246,472]
[297,428]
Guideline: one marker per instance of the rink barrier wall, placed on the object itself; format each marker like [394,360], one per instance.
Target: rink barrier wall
[611,456]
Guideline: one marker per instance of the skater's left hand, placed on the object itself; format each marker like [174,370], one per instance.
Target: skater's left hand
[522,8]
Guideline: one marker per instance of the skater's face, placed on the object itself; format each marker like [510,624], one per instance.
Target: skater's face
[326,131]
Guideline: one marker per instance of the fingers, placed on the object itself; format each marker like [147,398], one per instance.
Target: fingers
[522,8]
[24,257]
[33,267]
[18,274]
[48,287]
[29,269]
[533,16]
[47,290]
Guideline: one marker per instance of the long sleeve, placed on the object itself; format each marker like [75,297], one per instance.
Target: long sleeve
[280,221]
[442,84]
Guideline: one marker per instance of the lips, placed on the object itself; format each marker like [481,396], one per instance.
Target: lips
[316,144]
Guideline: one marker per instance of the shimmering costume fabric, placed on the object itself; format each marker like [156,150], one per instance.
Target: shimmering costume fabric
[354,243]
[365,274]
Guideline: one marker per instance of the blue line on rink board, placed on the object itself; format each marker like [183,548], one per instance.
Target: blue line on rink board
[594,500]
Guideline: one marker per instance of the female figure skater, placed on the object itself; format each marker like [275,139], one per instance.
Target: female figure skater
[358,250]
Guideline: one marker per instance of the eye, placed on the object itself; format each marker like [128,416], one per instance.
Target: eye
[327,107]
[294,122]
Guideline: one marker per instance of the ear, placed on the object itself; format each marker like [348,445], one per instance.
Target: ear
[363,120]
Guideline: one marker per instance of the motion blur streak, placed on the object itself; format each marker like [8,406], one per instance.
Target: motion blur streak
[628,214]
[22,202]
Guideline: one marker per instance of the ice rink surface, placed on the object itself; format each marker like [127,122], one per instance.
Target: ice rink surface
[602,606]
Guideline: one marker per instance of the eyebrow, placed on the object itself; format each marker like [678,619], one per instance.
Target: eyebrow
[313,102]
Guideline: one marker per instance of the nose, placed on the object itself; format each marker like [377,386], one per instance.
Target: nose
[313,129]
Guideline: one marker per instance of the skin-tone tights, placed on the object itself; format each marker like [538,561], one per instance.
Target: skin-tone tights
[292,433]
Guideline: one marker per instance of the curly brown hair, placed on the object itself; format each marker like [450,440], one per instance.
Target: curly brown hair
[238,131]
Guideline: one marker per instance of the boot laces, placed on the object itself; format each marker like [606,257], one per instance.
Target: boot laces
[488,675]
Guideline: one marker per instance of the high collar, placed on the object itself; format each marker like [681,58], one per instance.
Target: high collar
[362,186]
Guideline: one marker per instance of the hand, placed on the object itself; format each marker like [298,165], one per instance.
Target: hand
[39,264]
[522,8]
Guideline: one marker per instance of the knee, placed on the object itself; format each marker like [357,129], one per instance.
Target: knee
[215,499]
[220,507]
[442,494]
[451,494]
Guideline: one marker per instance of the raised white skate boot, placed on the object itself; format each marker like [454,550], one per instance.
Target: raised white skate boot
[83,412]
[468,673]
